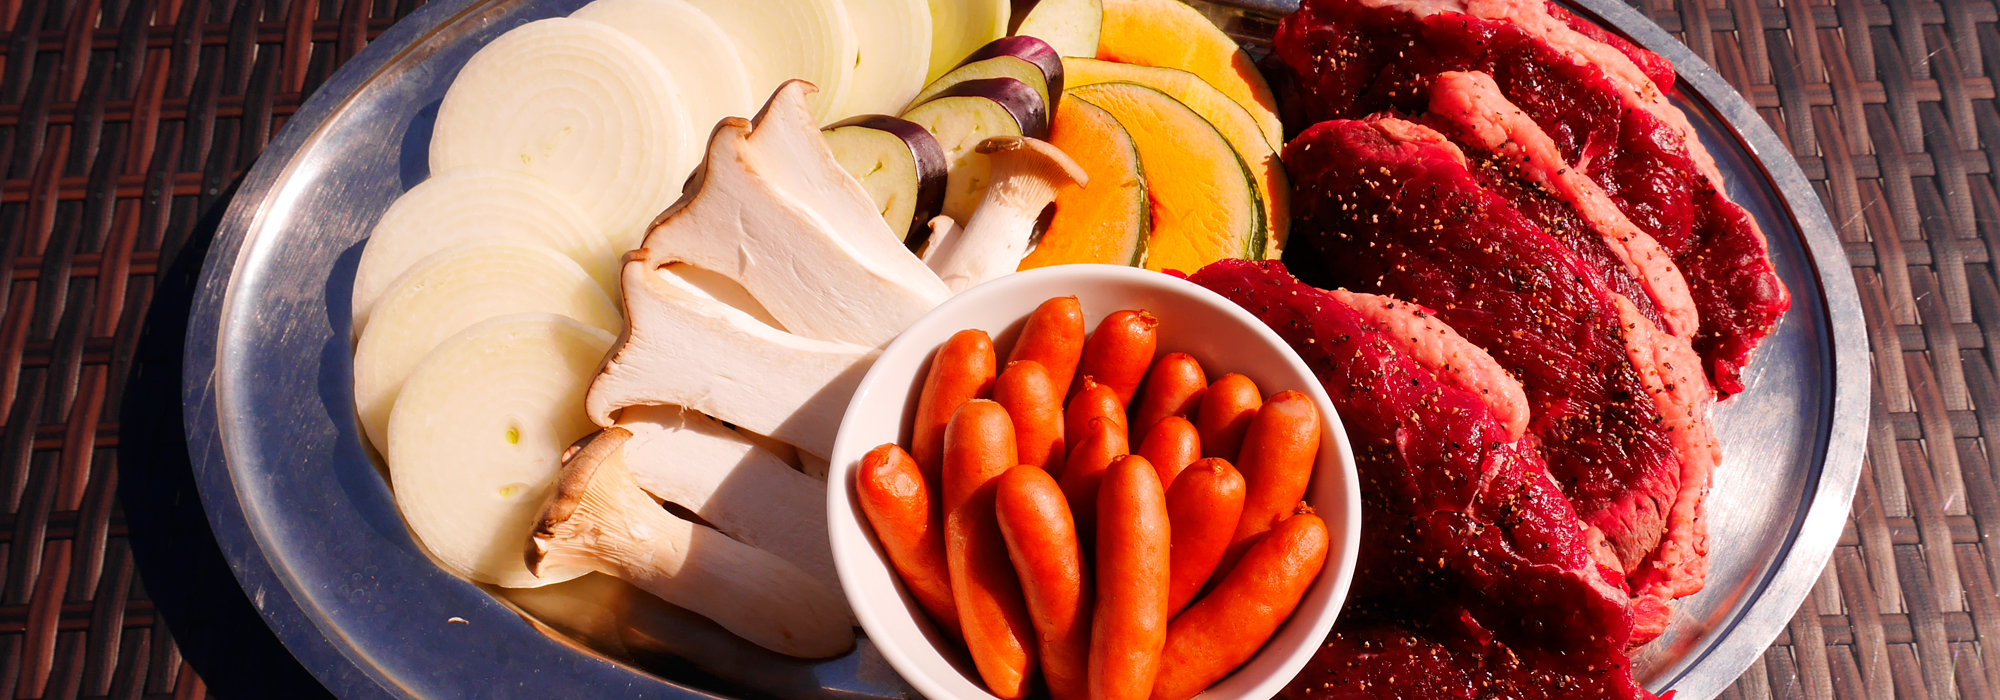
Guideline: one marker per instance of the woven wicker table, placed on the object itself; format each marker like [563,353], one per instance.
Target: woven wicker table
[123,123]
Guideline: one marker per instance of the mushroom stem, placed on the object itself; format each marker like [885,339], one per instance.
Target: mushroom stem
[1027,173]
[695,462]
[944,239]
[600,519]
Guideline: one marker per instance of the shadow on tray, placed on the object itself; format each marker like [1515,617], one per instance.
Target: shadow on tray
[215,625]
[224,638]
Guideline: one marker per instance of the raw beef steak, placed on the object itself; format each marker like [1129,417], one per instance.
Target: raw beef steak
[1444,654]
[1458,515]
[1511,155]
[1654,66]
[1393,209]
[1352,58]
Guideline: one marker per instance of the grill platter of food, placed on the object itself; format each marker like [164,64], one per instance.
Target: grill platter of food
[593,324]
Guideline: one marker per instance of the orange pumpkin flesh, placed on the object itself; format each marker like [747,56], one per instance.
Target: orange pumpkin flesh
[1105,222]
[1229,118]
[1170,34]
[1204,207]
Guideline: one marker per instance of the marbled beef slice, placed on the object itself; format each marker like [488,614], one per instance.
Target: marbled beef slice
[1617,407]
[1353,58]
[1475,575]
[1511,155]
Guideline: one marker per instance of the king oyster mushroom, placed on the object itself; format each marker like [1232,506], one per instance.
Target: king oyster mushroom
[944,237]
[694,461]
[685,348]
[773,210]
[1026,175]
[613,617]
[599,519]
[717,286]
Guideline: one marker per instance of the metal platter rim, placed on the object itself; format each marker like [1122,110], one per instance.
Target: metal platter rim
[329,659]
[1814,533]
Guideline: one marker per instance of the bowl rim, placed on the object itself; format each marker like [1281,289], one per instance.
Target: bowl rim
[1344,543]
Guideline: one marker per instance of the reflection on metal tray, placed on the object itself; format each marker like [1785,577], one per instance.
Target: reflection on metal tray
[309,526]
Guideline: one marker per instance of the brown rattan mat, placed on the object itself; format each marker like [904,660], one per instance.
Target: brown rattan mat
[123,121]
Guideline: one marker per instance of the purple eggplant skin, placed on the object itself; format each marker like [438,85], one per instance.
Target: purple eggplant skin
[931,170]
[1032,50]
[1018,98]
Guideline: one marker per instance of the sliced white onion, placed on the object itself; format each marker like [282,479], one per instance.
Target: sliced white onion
[471,205]
[894,37]
[703,59]
[449,292]
[960,27]
[780,40]
[478,437]
[584,107]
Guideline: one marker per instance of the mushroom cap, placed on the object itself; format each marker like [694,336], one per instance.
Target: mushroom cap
[579,467]
[600,518]
[1033,156]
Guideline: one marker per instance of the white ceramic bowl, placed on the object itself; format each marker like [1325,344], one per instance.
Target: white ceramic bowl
[1222,336]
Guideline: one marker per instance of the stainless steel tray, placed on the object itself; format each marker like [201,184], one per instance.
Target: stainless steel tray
[309,527]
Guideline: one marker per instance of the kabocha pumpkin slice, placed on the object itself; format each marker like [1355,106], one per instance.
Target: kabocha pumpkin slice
[1169,34]
[1106,222]
[1212,104]
[1229,118]
[1198,191]
[1027,174]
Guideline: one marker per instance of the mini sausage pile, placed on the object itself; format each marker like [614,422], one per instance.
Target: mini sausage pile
[1026,527]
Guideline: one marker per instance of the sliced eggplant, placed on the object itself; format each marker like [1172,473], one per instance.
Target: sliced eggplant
[1019,100]
[901,167]
[968,113]
[1024,58]
[1070,26]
